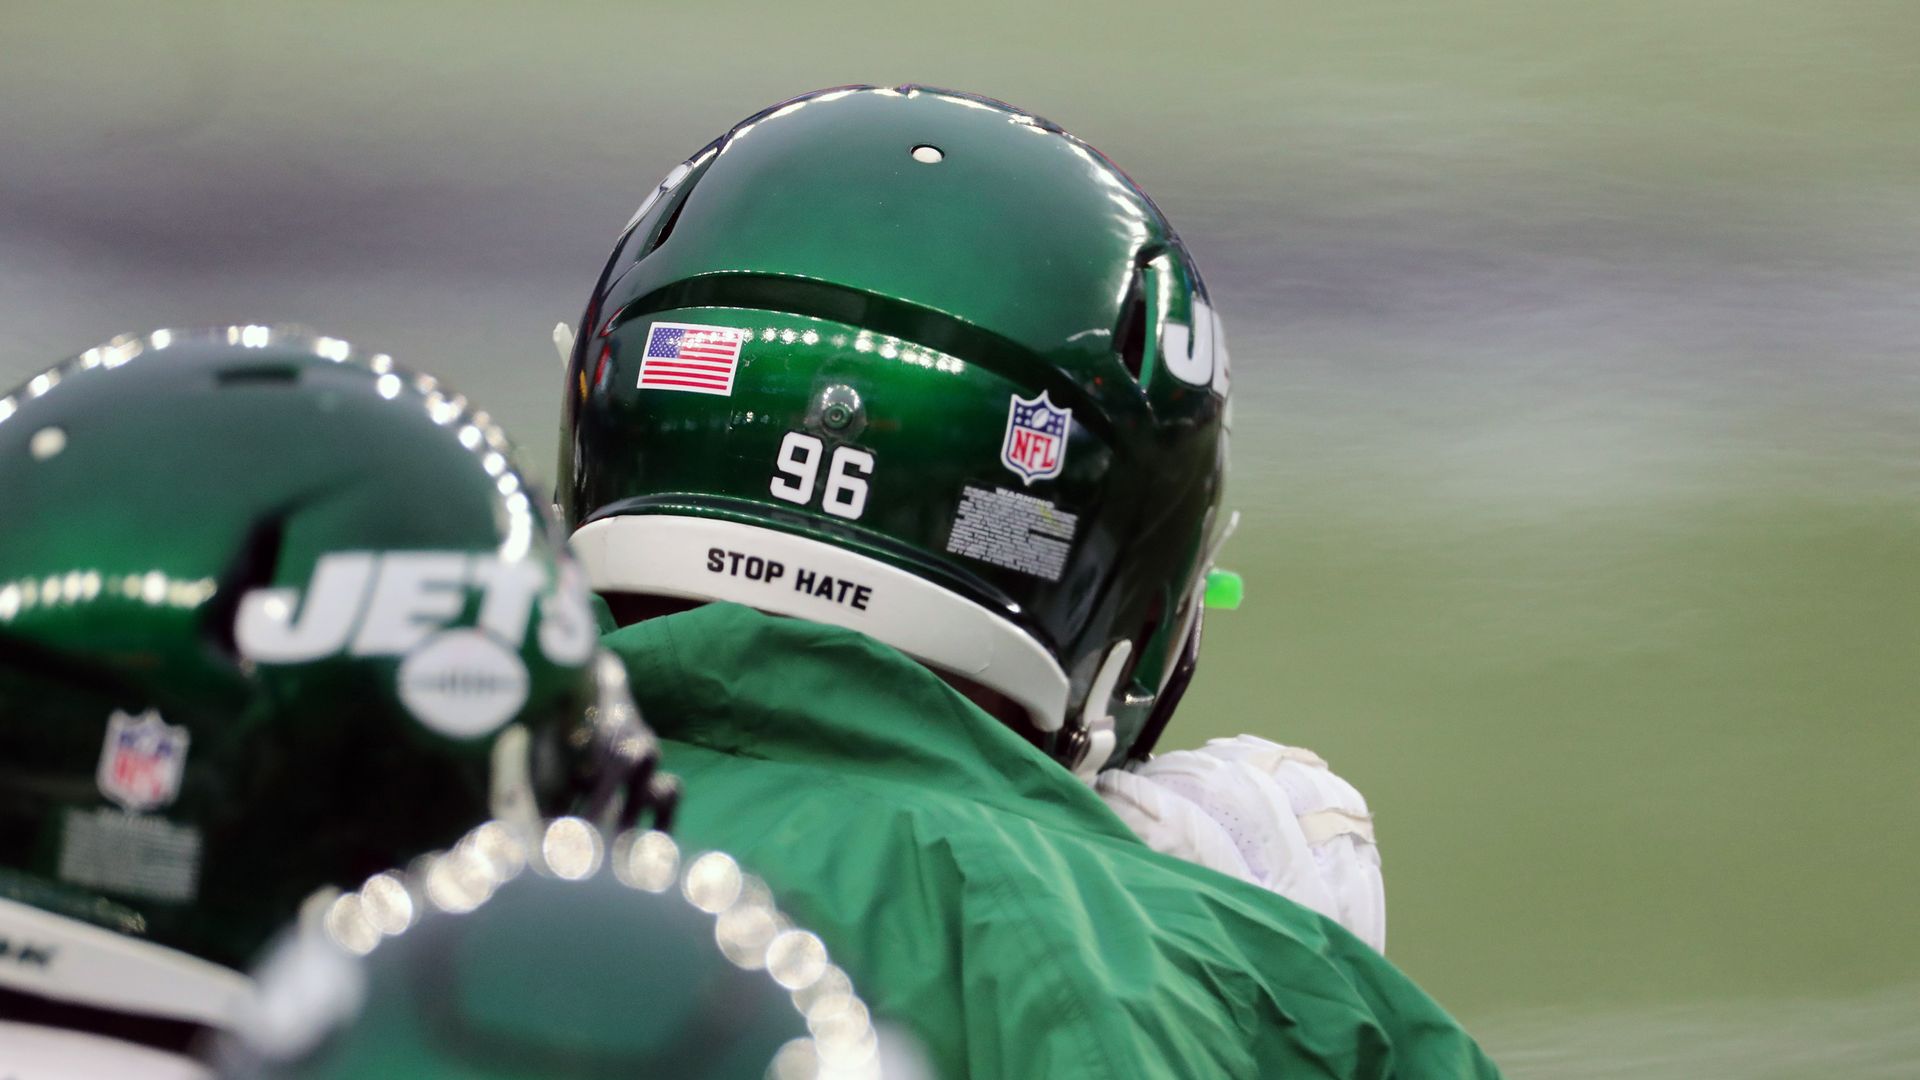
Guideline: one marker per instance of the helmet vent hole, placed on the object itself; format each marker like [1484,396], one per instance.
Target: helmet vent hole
[1156,615]
[666,230]
[928,154]
[259,375]
[1130,337]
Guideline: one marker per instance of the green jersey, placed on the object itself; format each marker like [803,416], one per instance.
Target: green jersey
[985,898]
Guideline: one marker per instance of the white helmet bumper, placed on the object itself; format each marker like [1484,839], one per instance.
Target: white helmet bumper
[784,574]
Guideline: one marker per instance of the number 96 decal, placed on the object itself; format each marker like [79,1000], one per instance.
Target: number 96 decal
[799,467]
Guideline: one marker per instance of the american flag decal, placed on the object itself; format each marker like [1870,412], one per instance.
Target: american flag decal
[692,358]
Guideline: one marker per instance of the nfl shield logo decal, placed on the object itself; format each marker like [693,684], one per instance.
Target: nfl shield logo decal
[1036,443]
[141,762]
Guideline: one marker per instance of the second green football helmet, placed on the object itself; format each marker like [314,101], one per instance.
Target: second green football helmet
[920,364]
[274,616]
[573,955]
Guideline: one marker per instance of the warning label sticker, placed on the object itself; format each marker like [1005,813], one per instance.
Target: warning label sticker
[1019,532]
[130,853]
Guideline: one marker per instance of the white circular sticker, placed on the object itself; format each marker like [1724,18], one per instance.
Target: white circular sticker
[463,683]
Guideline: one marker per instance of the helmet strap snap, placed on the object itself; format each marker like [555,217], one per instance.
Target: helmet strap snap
[1096,717]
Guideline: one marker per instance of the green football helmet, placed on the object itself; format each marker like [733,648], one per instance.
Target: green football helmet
[274,616]
[576,956]
[923,365]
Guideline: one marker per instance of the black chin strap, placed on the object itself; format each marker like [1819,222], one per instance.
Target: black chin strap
[628,782]
[1074,742]
[1170,695]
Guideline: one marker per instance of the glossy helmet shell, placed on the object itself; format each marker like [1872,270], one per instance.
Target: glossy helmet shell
[598,957]
[274,616]
[977,379]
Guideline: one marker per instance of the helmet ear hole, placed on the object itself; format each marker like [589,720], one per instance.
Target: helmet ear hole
[1152,625]
[252,567]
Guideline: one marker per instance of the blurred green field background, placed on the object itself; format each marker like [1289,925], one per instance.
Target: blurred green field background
[1578,423]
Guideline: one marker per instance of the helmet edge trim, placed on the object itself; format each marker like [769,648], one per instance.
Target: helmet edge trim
[652,553]
[101,968]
